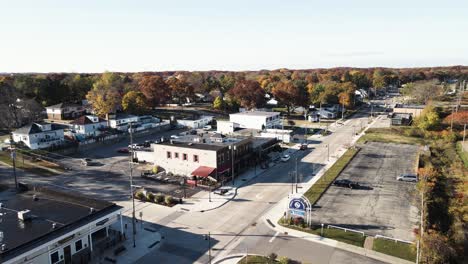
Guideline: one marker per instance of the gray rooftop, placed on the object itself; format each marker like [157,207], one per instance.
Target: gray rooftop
[67,210]
[257,113]
[35,128]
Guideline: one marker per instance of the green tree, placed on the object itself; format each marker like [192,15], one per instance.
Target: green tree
[218,103]
[378,79]
[134,103]
[106,94]
[78,85]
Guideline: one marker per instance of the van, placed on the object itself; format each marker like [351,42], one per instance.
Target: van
[407,178]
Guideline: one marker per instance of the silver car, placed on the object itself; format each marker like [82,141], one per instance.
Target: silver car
[407,178]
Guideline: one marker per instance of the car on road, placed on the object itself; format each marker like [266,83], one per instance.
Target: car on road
[285,158]
[303,147]
[346,184]
[407,177]
[222,190]
[87,162]
[123,150]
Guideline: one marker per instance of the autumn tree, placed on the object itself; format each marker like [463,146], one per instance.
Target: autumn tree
[248,94]
[458,118]
[180,89]
[155,90]
[106,94]
[429,118]
[134,103]
[219,103]
[290,94]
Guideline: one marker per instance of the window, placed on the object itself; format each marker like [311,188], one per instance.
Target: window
[176,155]
[195,158]
[184,156]
[169,155]
[78,245]
[54,257]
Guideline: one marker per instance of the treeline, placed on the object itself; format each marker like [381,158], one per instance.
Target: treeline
[138,92]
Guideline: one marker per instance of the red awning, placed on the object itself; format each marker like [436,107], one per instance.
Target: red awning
[203,171]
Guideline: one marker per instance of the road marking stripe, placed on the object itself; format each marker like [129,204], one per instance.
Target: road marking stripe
[273,238]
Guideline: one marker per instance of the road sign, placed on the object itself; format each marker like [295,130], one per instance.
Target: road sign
[299,206]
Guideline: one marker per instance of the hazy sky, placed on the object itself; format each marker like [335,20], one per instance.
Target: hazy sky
[112,35]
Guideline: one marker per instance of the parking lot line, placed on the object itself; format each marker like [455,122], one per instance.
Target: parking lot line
[273,238]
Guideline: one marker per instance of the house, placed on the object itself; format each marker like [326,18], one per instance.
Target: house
[195,122]
[414,110]
[256,119]
[39,135]
[42,226]
[65,111]
[88,126]
[314,116]
[122,121]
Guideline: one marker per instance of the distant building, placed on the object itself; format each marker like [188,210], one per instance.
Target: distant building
[226,127]
[43,226]
[122,121]
[65,111]
[256,119]
[279,134]
[39,135]
[399,119]
[414,110]
[88,126]
[195,122]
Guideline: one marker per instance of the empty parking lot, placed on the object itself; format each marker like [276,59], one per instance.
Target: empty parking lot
[385,206]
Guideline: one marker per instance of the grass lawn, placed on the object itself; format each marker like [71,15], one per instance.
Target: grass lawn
[396,249]
[332,233]
[256,259]
[315,192]
[389,135]
[5,157]
[463,154]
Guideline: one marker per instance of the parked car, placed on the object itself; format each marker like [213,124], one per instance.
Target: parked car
[303,147]
[123,150]
[285,158]
[222,190]
[407,177]
[207,127]
[346,184]
[87,162]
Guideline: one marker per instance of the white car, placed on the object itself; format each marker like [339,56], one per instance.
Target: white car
[174,136]
[407,178]
[285,158]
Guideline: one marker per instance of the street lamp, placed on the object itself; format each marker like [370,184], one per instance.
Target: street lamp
[208,237]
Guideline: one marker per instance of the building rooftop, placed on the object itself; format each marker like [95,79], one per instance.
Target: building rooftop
[67,210]
[63,105]
[256,113]
[83,120]
[409,106]
[35,128]
[206,141]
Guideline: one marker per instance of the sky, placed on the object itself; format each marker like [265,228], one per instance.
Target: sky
[132,36]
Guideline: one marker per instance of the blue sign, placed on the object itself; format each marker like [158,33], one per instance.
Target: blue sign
[297,212]
[297,204]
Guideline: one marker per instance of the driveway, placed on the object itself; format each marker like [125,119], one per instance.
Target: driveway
[384,205]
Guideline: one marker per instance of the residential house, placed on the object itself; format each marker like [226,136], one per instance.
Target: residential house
[88,126]
[122,121]
[65,111]
[39,135]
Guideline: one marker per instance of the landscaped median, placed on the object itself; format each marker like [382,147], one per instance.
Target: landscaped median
[315,192]
[25,163]
[395,248]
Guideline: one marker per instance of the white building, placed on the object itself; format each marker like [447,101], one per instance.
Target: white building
[121,121]
[256,119]
[88,126]
[279,134]
[195,123]
[39,135]
[45,226]
[226,127]
[64,111]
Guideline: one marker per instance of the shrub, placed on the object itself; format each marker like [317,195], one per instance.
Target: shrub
[155,169]
[159,198]
[285,260]
[272,257]
[150,196]
[140,195]
[169,200]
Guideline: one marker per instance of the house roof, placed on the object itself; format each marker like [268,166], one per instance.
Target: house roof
[83,120]
[62,105]
[203,171]
[67,210]
[35,128]
[256,113]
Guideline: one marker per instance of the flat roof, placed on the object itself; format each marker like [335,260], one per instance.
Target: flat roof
[67,210]
[409,106]
[192,145]
[256,113]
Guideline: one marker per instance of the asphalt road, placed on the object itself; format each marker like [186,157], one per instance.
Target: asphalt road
[384,205]
[232,224]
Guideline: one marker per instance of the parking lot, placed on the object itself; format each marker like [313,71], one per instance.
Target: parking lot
[382,205]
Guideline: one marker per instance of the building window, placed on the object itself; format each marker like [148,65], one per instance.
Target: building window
[169,155]
[54,257]
[176,155]
[195,158]
[78,245]
[184,156]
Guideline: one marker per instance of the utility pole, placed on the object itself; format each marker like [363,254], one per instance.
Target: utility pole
[13,158]
[292,182]
[296,175]
[131,184]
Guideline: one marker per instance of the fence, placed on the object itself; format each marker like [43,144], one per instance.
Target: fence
[345,229]
[395,239]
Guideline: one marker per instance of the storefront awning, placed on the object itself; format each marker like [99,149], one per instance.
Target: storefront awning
[203,171]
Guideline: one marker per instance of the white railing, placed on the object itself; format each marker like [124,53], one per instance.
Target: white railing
[346,229]
[395,239]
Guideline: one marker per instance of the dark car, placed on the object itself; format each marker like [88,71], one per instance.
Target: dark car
[346,184]
[303,147]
